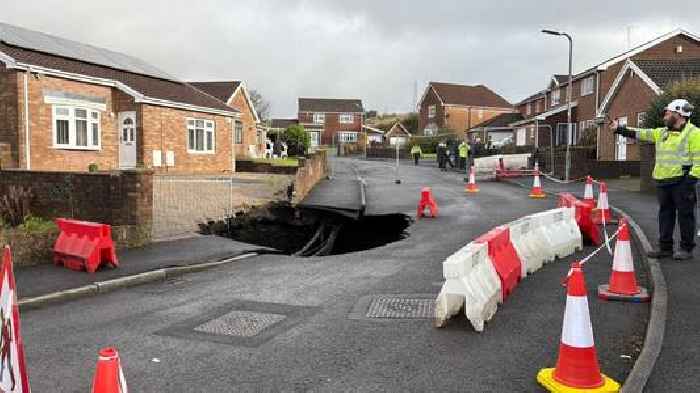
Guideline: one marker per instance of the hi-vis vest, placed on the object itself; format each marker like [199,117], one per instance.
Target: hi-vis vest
[463,150]
[674,150]
[416,149]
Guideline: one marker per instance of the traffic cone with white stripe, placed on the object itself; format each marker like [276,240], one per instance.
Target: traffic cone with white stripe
[109,377]
[602,212]
[623,281]
[536,191]
[588,191]
[577,367]
[471,186]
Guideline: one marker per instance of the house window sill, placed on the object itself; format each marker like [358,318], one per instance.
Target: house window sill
[77,148]
[201,152]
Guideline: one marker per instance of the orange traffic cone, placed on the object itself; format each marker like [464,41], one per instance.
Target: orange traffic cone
[109,377]
[588,191]
[602,211]
[536,191]
[577,365]
[623,282]
[471,186]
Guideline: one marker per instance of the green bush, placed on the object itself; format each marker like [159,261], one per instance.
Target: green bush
[688,89]
[93,167]
[33,224]
[297,138]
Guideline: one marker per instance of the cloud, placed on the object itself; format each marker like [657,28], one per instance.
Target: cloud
[373,50]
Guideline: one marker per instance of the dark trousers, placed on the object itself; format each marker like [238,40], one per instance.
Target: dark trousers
[677,201]
[416,157]
[462,162]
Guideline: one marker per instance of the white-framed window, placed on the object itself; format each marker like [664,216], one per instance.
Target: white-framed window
[641,119]
[238,132]
[556,96]
[200,136]
[76,128]
[347,136]
[319,118]
[587,86]
[528,109]
[432,110]
[346,118]
[430,130]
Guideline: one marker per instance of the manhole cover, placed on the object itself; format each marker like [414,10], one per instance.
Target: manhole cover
[400,307]
[240,323]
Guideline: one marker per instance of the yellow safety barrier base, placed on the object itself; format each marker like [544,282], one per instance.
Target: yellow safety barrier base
[546,378]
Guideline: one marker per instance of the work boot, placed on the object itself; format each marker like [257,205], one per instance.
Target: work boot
[660,254]
[682,255]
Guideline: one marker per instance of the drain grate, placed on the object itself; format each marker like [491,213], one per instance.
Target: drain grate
[401,308]
[240,323]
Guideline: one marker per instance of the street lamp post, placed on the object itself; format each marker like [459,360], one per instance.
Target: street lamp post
[567,169]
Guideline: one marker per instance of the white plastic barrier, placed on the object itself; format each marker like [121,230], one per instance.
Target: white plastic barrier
[510,161]
[472,282]
[529,244]
[557,227]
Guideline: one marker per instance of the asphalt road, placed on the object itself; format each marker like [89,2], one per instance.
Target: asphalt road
[317,341]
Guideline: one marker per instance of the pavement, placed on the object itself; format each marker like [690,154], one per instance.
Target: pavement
[197,332]
[40,280]
[678,367]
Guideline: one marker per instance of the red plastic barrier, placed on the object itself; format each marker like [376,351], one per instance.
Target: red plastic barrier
[83,245]
[584,219]
[503,256]
[427,201]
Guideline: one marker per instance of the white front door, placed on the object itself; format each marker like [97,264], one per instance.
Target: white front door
[520,137]
[315,138]
[621,143]
[127,140]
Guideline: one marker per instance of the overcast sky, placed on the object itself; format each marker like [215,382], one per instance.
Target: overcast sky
[373,50]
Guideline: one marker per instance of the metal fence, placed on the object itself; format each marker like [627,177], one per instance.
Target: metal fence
[182,203]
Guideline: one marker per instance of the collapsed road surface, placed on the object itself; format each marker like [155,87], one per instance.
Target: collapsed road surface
[358,321]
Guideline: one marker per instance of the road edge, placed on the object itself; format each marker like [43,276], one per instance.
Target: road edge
[656,326]
[102,287]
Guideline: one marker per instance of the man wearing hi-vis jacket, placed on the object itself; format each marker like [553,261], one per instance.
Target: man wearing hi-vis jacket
[676,172]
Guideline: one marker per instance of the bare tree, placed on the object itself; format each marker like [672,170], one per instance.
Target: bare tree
[261,105]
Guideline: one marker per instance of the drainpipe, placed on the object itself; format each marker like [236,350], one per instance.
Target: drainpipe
[27,135]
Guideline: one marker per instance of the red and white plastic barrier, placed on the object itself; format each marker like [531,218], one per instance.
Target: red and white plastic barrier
[471,282]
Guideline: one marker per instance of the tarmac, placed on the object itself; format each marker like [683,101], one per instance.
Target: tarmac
[321,345]
[677,368]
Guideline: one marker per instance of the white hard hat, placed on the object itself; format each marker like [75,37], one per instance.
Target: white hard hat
[680,106]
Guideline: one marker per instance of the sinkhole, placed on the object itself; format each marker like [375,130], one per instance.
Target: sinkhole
[310,232]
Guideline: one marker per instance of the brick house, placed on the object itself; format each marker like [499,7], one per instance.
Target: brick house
[65,105]
[457,107]
[497,129]
[248,131]
[627,101]
[276,126]
[397,134]
[330,120]
[545,113]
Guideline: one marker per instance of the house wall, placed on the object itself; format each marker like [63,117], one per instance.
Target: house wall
[9,117]
[165,129]
[430,99]
[462,118]
[249,125]
[632,98]
[43,155]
